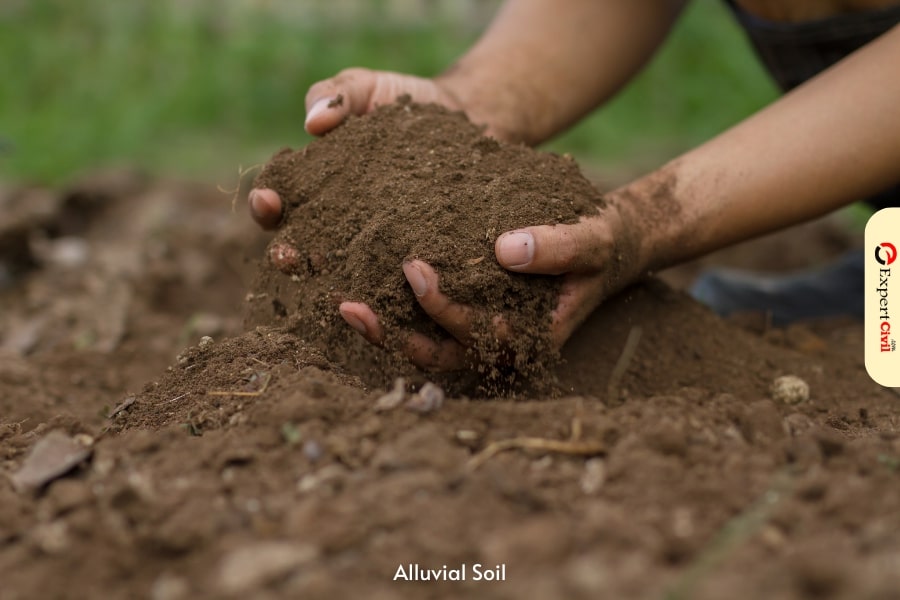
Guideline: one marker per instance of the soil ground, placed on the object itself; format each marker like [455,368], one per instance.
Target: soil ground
[252,466]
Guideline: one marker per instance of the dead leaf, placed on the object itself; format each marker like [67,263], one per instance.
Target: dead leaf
[127,402]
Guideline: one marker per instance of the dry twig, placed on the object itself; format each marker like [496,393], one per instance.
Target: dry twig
[573,445]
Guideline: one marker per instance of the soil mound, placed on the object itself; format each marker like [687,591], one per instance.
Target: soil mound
[415,181]
[255,467]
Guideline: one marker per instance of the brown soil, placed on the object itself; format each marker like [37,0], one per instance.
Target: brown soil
[254,465]
[412,181]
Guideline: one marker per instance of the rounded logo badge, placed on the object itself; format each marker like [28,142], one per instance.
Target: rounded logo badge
[882,297]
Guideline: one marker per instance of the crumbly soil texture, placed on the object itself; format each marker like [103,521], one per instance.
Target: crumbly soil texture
[152,446]
[412,181]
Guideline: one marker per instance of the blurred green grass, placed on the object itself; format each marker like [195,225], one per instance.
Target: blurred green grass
[195,88]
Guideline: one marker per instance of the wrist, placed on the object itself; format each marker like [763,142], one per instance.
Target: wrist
[485,103]
[626,262]
[654,230]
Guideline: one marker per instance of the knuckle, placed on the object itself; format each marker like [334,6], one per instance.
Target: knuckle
[351,73]
[344,77]
[566,252]
[441,311]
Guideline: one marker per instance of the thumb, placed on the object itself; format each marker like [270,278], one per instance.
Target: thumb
[331,101]
[582,247]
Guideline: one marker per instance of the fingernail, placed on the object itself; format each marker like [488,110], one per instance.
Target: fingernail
[515,249]
[353,322]
[253,200]
[317,109]
[415,278]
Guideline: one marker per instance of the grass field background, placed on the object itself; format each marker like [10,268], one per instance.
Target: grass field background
[195,88]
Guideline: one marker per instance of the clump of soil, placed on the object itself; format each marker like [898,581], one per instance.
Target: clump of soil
[416,181]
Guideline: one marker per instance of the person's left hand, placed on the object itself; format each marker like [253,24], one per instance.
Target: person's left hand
[589,255]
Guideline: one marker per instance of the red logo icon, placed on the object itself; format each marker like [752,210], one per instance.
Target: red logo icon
[885,253]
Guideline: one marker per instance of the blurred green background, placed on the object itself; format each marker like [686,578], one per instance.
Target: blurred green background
[193,88]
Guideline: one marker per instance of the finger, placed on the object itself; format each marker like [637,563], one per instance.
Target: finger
[556,249]
[331,101]
[358,91]
[429,355]
[457,319]
[361,318]
[577,299]
[446,355]
[265,207]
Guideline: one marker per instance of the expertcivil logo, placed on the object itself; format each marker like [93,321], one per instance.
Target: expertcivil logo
[881,307]
[885,253]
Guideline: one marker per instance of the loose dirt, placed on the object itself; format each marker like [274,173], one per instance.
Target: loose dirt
[233,461]
[411,181]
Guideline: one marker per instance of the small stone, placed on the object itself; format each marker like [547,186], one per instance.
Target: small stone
[84,439]
[393,398]
[205,341]
[64,252]
[467,435]
[255,565]
[52,456]
[284,257]
[790,389]
[331,474]
[772,537]
[428,399]
[312,450]
[594,476]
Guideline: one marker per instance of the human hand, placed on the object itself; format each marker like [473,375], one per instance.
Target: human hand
[351,92]
[591,256]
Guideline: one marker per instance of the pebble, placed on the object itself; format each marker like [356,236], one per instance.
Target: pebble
[393,398]
[51,457]
[789,389]
[312,450]
[428,399]
[284,257]
[467,435]
[594,476]
[245,569]
[67,252]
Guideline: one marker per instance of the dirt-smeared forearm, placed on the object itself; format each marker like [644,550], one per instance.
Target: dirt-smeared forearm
[830,142]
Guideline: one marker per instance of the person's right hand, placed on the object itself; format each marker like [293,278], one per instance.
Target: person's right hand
[350,92]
